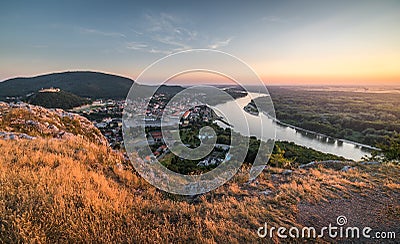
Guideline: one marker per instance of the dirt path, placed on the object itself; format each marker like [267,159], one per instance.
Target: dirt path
[374,209]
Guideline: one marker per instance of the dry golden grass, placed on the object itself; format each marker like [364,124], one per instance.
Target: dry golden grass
[53,190]
[74,191]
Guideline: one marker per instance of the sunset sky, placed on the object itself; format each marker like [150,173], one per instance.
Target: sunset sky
[286,42]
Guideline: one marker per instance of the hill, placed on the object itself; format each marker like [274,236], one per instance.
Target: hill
[22,119]
[61,99]
[58,188]
[81,83]
[85,84]
[76,191]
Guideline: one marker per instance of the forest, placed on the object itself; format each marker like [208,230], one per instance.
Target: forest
[363,117]
[284,154]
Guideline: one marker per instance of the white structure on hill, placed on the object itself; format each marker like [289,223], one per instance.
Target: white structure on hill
[51,89]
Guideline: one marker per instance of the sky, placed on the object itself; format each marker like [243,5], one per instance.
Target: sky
[285,42]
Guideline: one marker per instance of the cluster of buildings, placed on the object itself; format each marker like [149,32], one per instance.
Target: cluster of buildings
[158,107]
[155,107]
[197,115]
[110,107]
[50,90]
[107,117]
[111,126]
[216,157]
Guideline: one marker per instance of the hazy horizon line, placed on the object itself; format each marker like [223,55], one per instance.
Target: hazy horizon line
[294,83]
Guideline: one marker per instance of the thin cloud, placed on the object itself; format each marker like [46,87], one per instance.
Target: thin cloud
[220,44]
[162,22]
[152,50]
[136,46]
[166,29]
[172,41]
[165,33]
[102,33]
[137,32]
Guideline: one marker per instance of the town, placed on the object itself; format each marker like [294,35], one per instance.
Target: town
[107,117]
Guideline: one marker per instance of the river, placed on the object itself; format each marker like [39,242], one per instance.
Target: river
[232,110]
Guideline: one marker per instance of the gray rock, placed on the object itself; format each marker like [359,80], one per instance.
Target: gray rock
[15,136]
[370,163]
[287,172]
[347,168]
[274,176]
[266,192]
[304,166]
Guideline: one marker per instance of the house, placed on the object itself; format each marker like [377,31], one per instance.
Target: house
[186,115]
[101,125]
[157,136]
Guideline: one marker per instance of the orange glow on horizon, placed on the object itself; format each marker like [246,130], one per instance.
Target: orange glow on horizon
[268,78]
[330,80]
[381,69]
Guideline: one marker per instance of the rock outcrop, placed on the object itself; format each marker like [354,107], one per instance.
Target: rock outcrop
[23,120]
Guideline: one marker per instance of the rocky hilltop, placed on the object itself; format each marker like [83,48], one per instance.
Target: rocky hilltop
[27,121]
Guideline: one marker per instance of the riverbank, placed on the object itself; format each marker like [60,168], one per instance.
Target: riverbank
[265,128]
[363,146]
[365,118]
[221,119]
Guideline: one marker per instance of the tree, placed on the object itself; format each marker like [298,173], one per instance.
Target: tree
[278,159]
[391,149]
